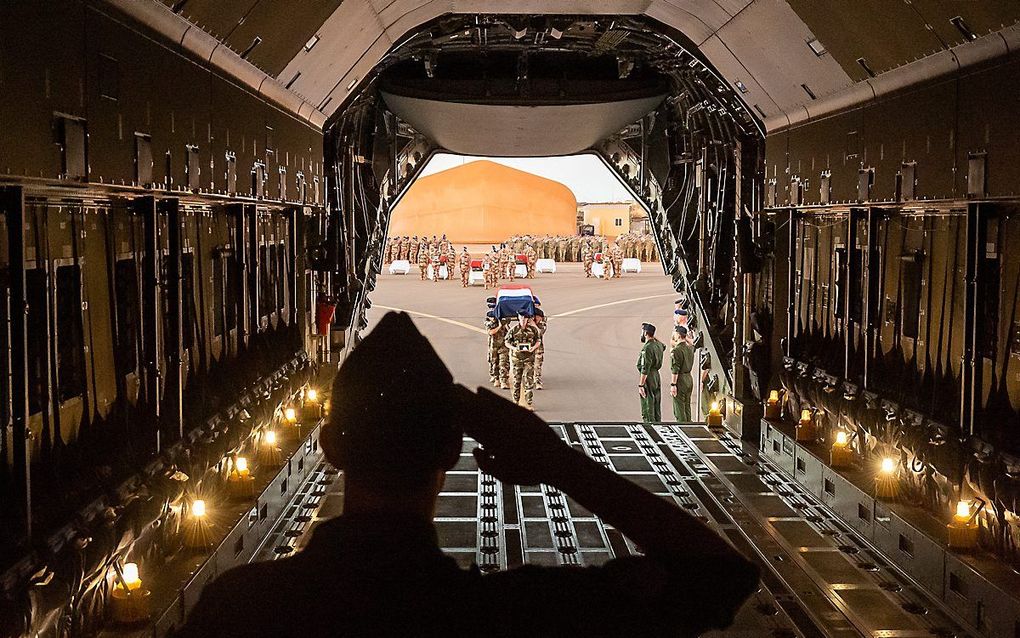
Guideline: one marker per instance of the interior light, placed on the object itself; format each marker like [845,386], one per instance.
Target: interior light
[841,438]
[290,414]
[715,406]
[198,508]
[963,510]
[888,465]
[130,574]
[312,394]
[270,437]
[805,415]
[774,395]
[241,465]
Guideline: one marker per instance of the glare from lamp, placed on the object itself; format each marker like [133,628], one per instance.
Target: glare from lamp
[312,394]
[241,465]
[198,508]
[270,437]
[290,414]
[805,415]
[888,465]
[841,438]
[130,574]
[963,510]
[774,396]
[714,407]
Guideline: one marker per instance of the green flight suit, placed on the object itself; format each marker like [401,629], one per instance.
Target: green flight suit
[681,358]
[649,363]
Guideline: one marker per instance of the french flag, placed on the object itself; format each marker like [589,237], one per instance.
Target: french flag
[512,300]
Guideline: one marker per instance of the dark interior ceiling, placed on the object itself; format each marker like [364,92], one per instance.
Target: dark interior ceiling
[772,48]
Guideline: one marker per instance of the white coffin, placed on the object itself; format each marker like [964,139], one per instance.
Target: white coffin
[400,267]
[545,265]
[630,264]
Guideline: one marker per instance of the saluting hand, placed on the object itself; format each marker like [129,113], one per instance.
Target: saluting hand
[517,446]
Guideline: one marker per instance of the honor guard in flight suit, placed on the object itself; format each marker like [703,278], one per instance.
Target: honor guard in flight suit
[521,341]
[648,365]
[681,359]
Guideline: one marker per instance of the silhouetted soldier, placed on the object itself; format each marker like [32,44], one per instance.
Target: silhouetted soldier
[377,569]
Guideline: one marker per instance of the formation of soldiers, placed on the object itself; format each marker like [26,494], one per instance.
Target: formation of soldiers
[501,263]
[427,252]
[562,248]
[516,352]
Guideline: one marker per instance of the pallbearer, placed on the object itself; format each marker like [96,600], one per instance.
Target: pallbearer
[681,359]
[521,341]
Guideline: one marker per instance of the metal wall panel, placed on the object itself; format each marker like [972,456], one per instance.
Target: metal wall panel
[831,144]
[30,94]
[916,126]
[988,123]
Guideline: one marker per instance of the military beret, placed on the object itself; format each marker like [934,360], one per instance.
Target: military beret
[681,330]
[649,328]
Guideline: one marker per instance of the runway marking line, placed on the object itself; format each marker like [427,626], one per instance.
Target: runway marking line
[611,303]
[562,314]
[428,316]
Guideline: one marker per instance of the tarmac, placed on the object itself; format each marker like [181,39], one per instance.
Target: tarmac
[591,345]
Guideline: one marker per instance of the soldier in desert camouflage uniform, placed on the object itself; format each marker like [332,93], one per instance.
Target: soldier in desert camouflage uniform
[521,341]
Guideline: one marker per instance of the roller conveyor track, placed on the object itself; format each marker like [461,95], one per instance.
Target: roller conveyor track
[819,577]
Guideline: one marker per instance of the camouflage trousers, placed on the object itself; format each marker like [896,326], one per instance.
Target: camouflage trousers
[522,371]
[536,370]
[464,272]
[424,271]
[499,364]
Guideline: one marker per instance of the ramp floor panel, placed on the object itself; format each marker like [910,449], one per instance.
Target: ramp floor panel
[819,577]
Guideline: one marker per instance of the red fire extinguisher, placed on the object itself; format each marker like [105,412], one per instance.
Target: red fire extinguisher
[324,311]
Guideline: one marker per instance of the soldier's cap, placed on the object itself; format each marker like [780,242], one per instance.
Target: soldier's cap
[490,300]
[679,301]
[681,330]
[394,404]
[682,312]
[649,328]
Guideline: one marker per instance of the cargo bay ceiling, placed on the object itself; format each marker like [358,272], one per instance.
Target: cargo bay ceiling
[787,60]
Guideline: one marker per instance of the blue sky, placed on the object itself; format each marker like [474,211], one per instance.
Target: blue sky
[585,175]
